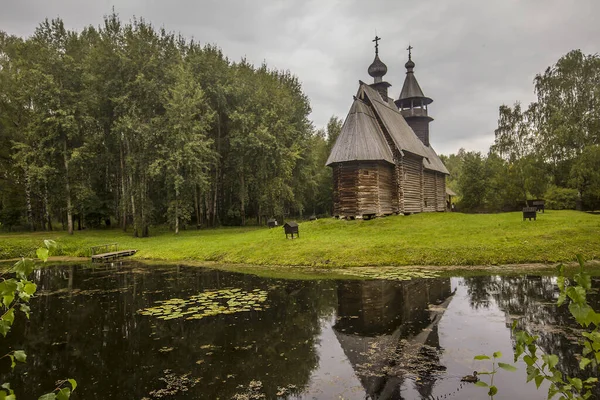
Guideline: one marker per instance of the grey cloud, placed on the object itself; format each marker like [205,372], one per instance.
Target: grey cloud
[471,56]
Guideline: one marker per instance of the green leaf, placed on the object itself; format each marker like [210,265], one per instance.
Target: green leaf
[20,355]
[561,299]
[4,327]
[30,288]
[493,390]
[507,367]
[584,362]
[25,309]
[528,360]
[577,383]
[551,360]
[577,294]
[481,384]
[42,254]
[538,380]
[552,390]
[47,396]
[8,287]
[13,364]
[481,357]
[584,280]
[497,354]
[7,300]
[63,394]
[580,261]
[50,244]
[23,268]
[73,383]
[9,316]
[583,313]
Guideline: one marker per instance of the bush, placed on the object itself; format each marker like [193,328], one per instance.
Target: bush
[558,198]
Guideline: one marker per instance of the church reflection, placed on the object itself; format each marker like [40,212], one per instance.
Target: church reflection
[388,328]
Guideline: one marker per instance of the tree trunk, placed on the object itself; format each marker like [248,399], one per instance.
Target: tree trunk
[68,189]
[133,211]
[176,213]
[28,201]
[143,207]
[243,198]
[197,205]
[123,190]
[47,208]
[217,173]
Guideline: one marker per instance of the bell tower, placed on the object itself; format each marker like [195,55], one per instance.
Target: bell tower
[412,103]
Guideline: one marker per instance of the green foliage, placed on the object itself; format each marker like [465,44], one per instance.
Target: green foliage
[561,198]
[492,389]
[585,176]
[553,141]
[472,184]
[16,293]
[141,126]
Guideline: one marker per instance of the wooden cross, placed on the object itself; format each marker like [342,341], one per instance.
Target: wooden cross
[409,48]
[376,40]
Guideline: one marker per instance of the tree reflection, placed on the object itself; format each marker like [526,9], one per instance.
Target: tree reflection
[85,325]
[532,301]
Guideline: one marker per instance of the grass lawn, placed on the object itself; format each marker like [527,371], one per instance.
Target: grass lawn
[437,239]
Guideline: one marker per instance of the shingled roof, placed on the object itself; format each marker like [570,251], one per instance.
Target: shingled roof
[361,138]
[411,89]
[402,134]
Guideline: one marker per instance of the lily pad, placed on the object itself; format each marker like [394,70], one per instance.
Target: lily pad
[208,304]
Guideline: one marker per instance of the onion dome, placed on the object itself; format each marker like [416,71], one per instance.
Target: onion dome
[377,69]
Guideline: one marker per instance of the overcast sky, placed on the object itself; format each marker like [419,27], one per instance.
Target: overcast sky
[471,55]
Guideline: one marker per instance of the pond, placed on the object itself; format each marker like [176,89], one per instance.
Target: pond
[133,331]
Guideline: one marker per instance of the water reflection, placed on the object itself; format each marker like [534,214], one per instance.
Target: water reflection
[85,325]
[373,340]
[532,301]
[388,328]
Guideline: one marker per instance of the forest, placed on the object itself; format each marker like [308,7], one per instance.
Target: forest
[131,126]
[124,124]
[548,150]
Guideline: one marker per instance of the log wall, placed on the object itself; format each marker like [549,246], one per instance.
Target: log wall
[441,191]
[430,191]
[412,183]
[362,188]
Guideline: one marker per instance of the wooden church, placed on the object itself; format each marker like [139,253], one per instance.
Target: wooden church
[382,161]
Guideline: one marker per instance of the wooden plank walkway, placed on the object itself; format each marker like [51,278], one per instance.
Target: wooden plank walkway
[113,255]
[109,252]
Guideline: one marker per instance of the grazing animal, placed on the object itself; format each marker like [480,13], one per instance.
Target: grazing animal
[470,378]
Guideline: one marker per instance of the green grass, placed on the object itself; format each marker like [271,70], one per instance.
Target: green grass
[436,239]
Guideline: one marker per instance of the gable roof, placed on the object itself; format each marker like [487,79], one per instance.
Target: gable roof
[361,138]
[402,134]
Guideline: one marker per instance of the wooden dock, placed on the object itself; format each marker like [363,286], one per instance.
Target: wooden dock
[109,252]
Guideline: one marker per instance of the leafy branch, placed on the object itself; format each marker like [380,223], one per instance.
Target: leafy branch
[544,367]
[16,291]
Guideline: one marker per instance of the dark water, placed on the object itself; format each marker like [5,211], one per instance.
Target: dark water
[310,339]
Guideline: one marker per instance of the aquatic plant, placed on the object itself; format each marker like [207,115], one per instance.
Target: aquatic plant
[208,304]
[388,273]
[16,292]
